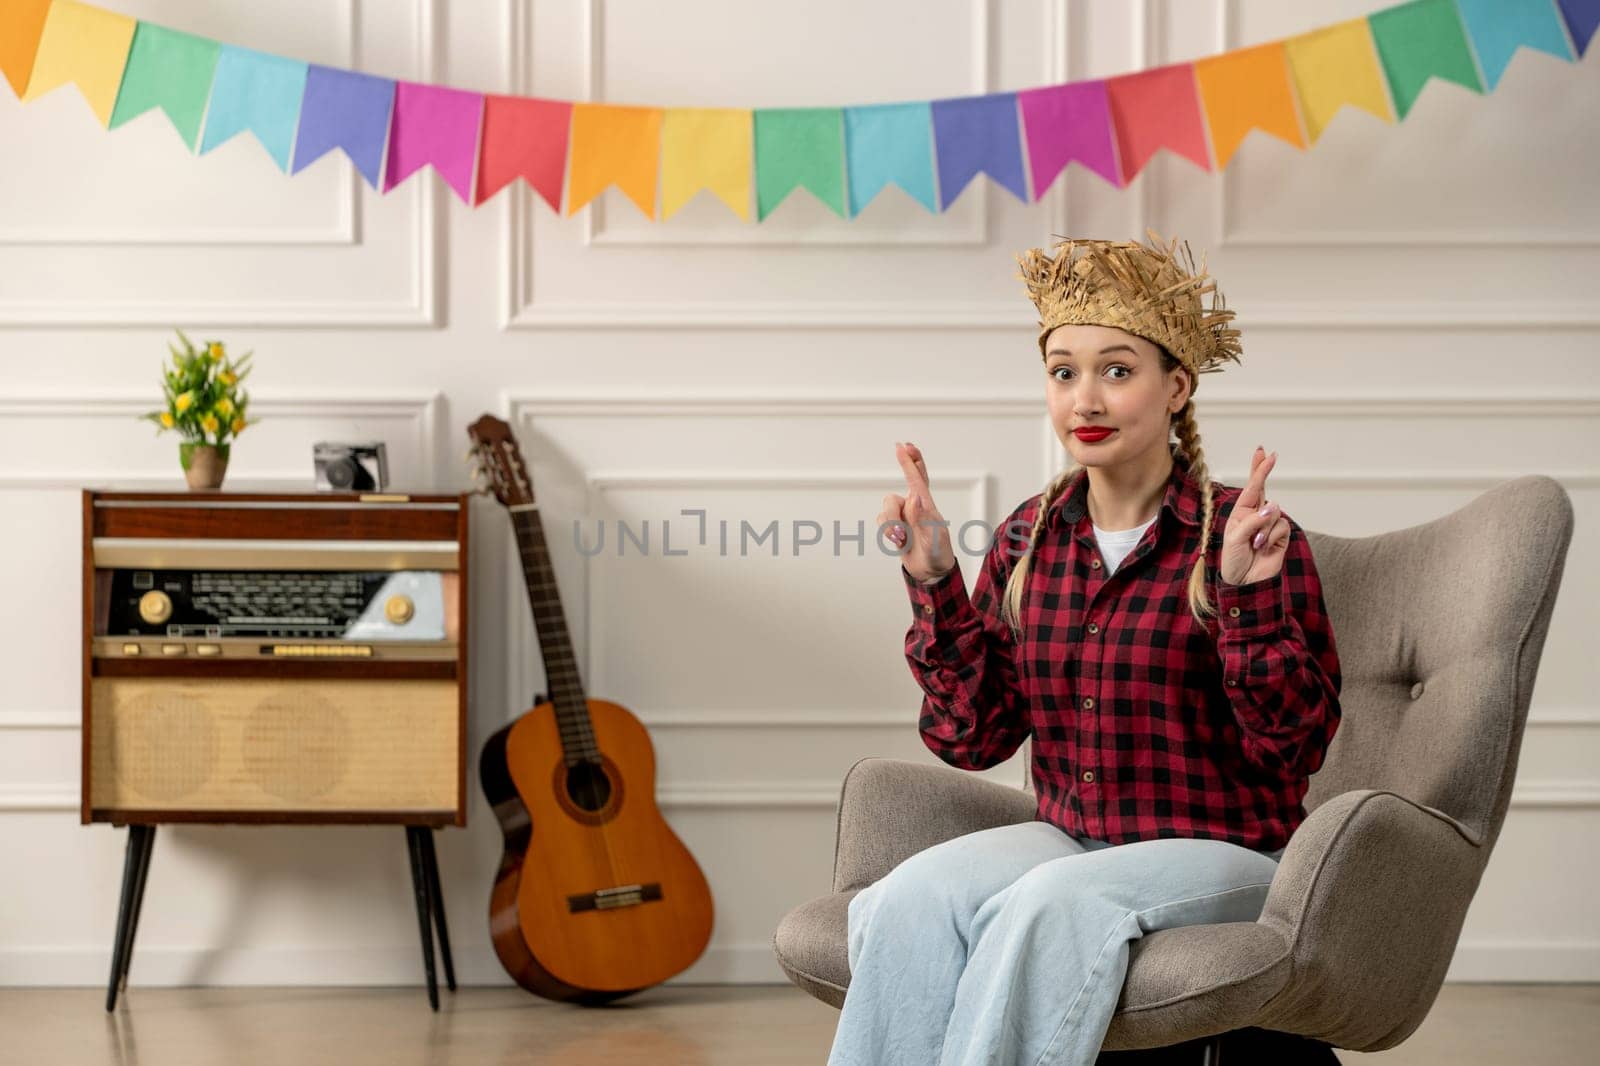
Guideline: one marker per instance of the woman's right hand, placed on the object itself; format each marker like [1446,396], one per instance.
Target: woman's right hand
[930,556]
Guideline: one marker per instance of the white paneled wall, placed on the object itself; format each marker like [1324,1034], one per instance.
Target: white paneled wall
[1419,324]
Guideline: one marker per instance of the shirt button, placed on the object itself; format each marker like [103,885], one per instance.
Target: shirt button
[1094,627]
[1088,775]
[1088,703]
[1094,564]
[927,608]
[1233,612]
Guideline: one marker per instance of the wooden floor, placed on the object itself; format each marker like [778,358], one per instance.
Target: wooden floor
[673,1025]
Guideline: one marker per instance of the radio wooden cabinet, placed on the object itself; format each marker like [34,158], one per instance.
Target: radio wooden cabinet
[275,658]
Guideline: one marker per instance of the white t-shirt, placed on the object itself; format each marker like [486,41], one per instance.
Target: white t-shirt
[1116,544]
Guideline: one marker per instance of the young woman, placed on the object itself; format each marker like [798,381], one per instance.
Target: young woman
[1160,636]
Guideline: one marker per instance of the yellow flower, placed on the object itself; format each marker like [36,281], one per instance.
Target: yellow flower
[216,351]
[166,419]
[224,407]
[209,423]
[238,426]
[185,401]
[227,378]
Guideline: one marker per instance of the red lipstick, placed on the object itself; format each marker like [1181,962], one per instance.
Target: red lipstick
[1091,434]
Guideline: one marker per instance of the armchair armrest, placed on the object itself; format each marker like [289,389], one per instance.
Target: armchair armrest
[890,809]
[1370,896]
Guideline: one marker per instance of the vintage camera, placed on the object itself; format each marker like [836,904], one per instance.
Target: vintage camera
[344,467]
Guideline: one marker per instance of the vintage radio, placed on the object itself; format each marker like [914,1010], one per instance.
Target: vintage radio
[274,658]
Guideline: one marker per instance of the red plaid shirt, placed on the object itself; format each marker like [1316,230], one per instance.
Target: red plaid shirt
[1144,722]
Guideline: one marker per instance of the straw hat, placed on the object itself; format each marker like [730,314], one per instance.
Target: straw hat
[1147,290]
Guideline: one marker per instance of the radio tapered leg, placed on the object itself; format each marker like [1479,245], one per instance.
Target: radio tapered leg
[435,893]
[135,868]
[147,845]
[419,885]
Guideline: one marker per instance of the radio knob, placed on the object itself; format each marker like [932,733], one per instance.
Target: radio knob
[155,607]
[399,609]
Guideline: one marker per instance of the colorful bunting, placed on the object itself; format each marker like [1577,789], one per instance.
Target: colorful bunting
[21,23]
[257,92]
[436,127]
[1499,27]
[614,145]
[1335,66]
[479,143]
[705,148]
[343,109]
[1422,40]
[169,70]
[1067,123]
[1244,90]
[525,139]
[86,47]
[978,134]
[889,143]
[1582,17]
[1157,109]
[799,147]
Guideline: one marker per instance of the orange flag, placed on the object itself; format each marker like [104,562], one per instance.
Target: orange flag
[614,144]
[21,23]
[1248,89]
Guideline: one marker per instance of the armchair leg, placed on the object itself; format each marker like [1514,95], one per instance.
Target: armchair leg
[1211,1053]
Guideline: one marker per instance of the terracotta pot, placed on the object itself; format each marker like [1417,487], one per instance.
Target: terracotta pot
[203,464]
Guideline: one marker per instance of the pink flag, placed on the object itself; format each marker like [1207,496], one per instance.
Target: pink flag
[438,126]
[1067,122]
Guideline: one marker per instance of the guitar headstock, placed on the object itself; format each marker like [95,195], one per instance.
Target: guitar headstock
[500,460]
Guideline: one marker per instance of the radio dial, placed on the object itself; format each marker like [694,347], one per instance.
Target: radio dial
[399,609]
[155,607]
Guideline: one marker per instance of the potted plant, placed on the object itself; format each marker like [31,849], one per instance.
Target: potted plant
[205,404]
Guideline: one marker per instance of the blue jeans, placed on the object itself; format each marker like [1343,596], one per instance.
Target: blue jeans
[1010,945]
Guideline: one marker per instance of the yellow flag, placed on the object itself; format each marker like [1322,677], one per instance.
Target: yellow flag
[84,45]
[706,148]
[614,144]
[1243,90]
[1334,66]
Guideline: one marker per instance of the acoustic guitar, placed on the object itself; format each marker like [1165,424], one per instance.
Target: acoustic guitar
[596,897]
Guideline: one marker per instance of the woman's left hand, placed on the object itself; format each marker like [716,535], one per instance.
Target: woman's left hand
[1256,537]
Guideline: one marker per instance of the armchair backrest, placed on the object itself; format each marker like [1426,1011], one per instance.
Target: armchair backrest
[1439,629]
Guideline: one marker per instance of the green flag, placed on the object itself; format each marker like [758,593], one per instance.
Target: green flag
[1418,41]
[169,70]
[799,146]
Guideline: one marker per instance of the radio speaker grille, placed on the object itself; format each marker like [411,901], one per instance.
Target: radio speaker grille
[273,745]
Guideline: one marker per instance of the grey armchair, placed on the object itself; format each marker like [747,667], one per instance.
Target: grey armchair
[1439,628]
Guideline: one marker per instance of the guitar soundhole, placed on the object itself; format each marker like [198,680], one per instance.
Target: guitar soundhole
[588,787]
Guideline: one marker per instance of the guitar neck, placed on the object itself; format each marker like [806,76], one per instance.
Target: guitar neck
[560,662]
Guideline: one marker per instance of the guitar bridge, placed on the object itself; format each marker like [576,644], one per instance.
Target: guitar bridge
[609,898]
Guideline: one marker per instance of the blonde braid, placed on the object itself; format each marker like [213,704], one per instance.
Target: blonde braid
[1188,432]
[1011,608]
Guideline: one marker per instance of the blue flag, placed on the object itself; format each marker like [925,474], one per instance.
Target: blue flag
[978,133]
[889,142]
[343,109]
[257,92]
[1499,27]
[1582,16]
